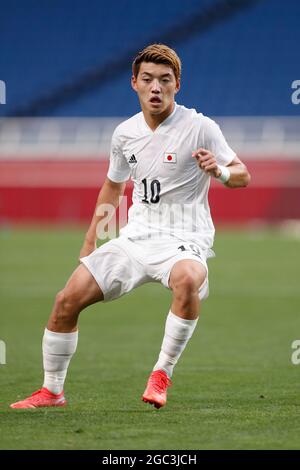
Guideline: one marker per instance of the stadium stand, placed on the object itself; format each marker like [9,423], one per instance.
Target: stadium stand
[245,57]
[67,59]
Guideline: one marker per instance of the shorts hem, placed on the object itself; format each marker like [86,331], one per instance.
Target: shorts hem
[91,271]
[166,278]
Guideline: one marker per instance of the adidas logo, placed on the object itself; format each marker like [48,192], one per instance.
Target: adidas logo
[132,159]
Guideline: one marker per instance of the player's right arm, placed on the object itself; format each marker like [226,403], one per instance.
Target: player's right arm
[110,193]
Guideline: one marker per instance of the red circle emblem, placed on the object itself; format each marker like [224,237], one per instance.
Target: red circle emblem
[169,157]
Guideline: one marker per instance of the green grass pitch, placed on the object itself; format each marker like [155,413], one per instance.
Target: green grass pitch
[234,387]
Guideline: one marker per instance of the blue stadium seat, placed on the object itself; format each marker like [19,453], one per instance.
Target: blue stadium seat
[243,65]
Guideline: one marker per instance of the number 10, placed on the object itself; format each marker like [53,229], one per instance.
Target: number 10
[154,189]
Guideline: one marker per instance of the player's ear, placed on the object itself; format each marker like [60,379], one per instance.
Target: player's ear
[133,82]
[177,88]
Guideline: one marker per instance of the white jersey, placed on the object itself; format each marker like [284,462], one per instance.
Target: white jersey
[170,195]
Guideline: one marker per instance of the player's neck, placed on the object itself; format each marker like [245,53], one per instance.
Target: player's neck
[154,120]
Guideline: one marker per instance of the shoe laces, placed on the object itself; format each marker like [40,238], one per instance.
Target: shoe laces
[160,381]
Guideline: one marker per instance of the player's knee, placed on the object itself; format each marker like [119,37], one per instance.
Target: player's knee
[186,290]
[187,283]
[66,304]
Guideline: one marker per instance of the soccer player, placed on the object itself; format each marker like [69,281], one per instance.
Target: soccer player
[170,152]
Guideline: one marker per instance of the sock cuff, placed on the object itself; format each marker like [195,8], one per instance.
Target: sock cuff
[61,336]
[59,343]
[179,328]
[182,321]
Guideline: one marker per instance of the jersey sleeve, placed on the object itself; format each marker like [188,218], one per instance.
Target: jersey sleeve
[119,170]
[215,142]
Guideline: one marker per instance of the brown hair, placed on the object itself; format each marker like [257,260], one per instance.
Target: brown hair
[158,54]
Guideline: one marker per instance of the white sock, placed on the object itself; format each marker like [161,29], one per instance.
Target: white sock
[178,331]
[58,349]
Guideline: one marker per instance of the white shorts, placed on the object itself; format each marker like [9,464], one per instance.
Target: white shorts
[121,264]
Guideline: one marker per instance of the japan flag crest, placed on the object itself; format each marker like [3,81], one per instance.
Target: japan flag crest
[170,158]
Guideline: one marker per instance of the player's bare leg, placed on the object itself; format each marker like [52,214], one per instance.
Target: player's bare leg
[186,278]
[61,336]
[80,291]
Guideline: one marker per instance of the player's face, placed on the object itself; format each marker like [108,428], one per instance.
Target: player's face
[156,87]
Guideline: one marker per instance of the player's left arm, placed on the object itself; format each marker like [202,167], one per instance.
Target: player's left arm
[236,171]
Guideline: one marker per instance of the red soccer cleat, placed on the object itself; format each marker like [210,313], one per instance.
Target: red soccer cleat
[156,390]
[41,398]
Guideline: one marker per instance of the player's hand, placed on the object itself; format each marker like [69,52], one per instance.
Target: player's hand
[87,248]
[207,162]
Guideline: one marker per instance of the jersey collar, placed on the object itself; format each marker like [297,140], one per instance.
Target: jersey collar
[162,124]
